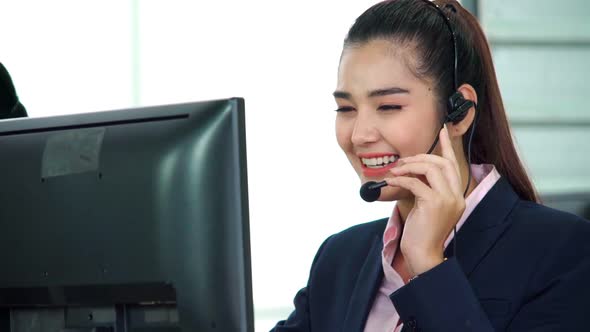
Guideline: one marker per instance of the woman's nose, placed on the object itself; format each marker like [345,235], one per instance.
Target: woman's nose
[365,130]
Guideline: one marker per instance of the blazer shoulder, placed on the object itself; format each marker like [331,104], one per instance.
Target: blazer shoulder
[549,222]
[363,232]
[560,239]
[352,243]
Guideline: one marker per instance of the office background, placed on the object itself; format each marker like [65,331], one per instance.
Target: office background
[69,56]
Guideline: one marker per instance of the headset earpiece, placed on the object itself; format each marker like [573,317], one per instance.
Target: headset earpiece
[458,107]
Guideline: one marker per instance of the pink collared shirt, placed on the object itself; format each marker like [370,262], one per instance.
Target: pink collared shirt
[383,316]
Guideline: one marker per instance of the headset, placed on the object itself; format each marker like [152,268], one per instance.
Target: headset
[457,106]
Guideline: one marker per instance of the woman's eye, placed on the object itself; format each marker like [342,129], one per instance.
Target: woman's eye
[345,109]
[389,107]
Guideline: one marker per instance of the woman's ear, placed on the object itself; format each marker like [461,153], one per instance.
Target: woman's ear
[461,127]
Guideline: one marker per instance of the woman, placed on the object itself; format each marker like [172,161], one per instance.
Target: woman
[512,265]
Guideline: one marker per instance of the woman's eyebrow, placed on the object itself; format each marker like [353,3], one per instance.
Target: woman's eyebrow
[375,93]
[388,91]
[342,95]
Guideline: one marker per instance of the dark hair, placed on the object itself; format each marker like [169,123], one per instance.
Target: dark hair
[10,107]
[419,25]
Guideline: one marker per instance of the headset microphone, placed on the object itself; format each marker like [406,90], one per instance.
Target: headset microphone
[457,109]
[371,190]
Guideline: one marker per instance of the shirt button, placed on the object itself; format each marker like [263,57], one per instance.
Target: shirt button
[412,324]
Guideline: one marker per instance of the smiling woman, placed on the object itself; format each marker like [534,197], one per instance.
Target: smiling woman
[384,103]
[413,75]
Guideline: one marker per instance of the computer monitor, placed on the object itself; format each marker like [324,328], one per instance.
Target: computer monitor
[128,220]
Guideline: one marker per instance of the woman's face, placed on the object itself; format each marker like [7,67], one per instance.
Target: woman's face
[385,111]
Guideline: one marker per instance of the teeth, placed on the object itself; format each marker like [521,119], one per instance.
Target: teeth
[378,162]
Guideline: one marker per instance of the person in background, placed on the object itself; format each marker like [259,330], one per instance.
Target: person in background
[10,106]
[468,246]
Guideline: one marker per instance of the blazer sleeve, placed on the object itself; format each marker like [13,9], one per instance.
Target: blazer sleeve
[559,297]
[299,320]
[423,304]
[562,306]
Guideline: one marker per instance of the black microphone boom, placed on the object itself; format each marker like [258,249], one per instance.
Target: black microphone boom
[371,190]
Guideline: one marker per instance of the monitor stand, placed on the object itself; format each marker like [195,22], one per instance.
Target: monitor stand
[118,318]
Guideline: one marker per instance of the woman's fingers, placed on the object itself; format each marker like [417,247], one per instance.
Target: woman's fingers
[448,168]
[418,188]
[432,172]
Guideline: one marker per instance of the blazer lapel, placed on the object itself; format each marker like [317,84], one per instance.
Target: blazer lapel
[364,291]
[484,226]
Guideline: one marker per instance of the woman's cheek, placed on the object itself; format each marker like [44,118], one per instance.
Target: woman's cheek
[344,134]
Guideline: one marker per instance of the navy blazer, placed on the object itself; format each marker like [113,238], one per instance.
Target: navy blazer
[520,266]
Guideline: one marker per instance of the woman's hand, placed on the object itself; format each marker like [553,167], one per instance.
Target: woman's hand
[438,205]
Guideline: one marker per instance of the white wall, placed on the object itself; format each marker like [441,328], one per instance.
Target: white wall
[69,56]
